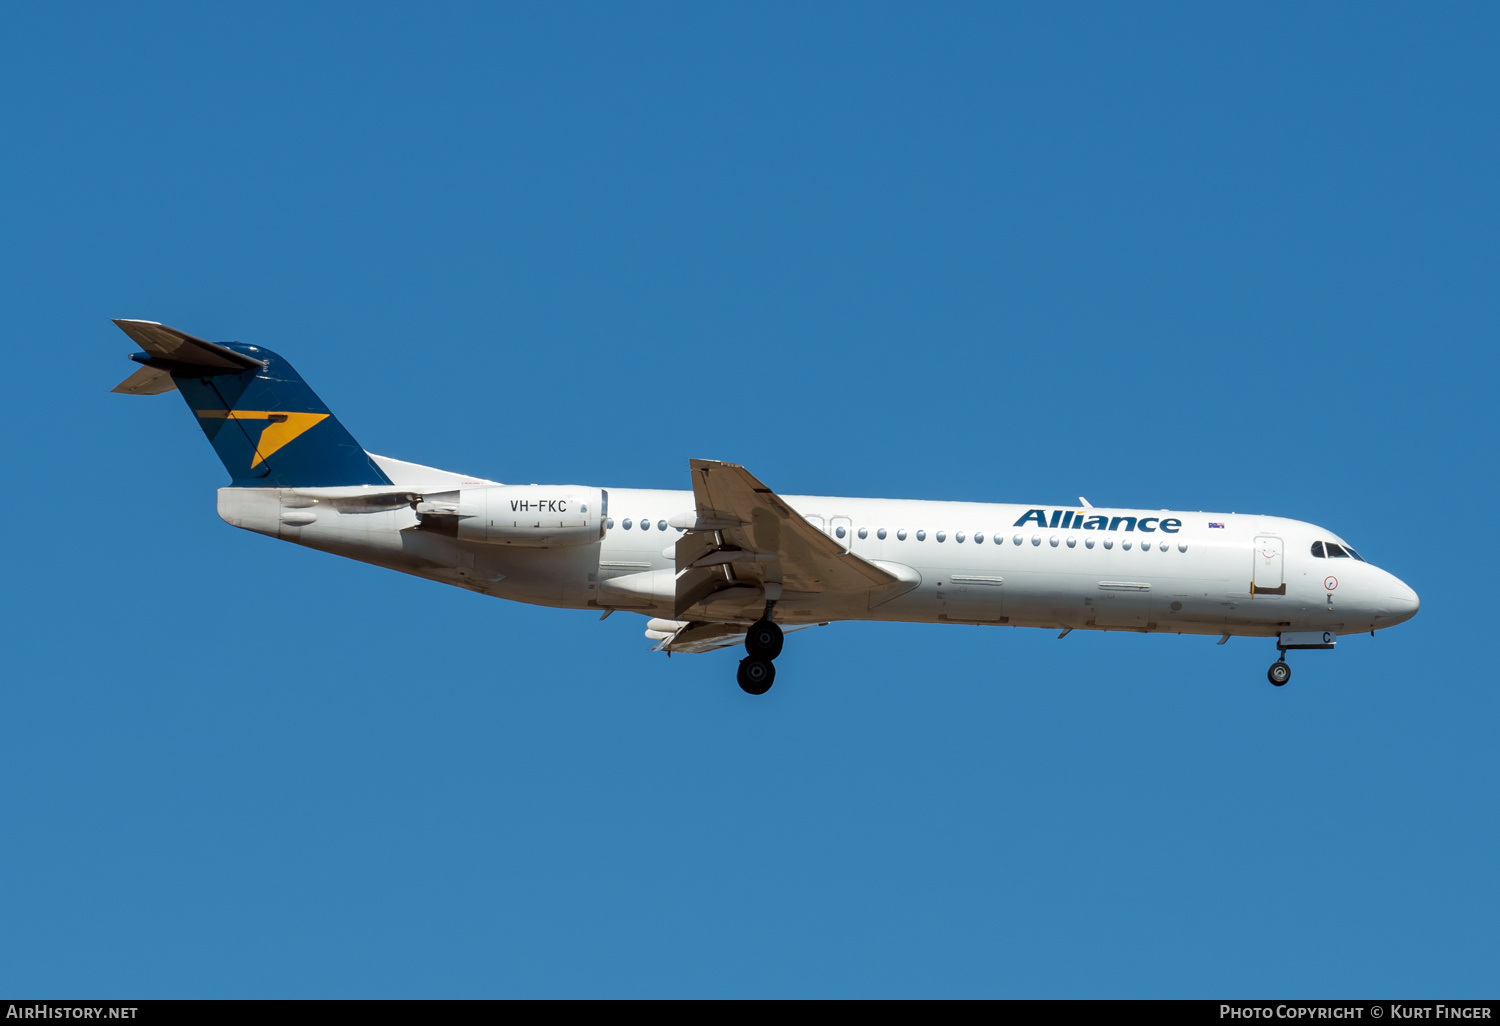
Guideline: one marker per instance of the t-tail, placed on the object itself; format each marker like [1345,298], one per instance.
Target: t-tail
[268,427]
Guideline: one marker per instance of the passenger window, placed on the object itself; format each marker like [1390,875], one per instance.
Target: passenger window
[921,536]
[942,536]
[626,524]
[864,532]
[1318,549]
[645,525]
[880,534]
[610,524]
[838,532]
[1017,539]
[661,525]
[1334,550]
[959,537]
[901,534]
[979,539]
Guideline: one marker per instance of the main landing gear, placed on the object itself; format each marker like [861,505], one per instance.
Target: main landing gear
[763,644]
[1279,673]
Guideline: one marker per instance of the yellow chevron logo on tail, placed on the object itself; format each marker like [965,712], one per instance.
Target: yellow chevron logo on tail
[284,427]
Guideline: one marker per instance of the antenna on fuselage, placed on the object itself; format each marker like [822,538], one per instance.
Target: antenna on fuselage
[1086,503]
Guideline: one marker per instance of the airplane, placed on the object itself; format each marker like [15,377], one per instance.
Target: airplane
[730,562]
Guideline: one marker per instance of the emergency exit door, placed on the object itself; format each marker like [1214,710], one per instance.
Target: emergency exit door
[842,529]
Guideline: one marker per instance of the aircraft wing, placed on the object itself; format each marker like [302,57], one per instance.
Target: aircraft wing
[747,542]
[679,636]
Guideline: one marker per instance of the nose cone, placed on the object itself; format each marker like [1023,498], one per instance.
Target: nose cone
[1400,604]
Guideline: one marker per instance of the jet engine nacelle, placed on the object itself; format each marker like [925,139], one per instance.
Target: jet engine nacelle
[535,516]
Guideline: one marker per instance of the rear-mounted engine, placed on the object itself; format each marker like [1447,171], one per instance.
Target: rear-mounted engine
[535,516]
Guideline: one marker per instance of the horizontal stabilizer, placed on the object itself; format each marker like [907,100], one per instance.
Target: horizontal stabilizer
[147,381]
[178,347]
[267,426]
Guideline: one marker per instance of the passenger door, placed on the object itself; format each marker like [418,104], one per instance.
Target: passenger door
[1266,576]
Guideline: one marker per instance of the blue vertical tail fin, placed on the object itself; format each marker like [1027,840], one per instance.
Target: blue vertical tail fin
[268,427]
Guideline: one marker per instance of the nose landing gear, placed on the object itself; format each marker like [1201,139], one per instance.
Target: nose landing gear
[763,644]
[1286,641]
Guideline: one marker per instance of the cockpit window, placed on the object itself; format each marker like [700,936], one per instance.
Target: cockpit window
[1335,551]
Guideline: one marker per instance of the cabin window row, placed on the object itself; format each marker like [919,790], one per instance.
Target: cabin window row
[628,523]
[999,539]
[978,538]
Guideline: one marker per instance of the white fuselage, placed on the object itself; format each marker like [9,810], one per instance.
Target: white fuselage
[964,562]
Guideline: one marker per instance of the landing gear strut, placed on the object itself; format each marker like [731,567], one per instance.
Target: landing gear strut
[763,644]
[1279,673]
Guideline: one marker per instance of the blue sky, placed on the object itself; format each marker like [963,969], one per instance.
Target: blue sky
[1228,257]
